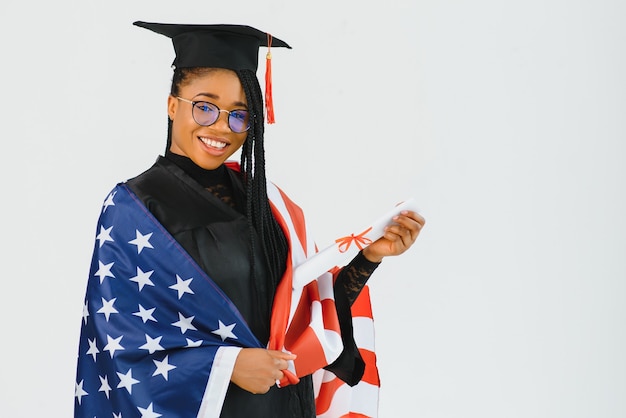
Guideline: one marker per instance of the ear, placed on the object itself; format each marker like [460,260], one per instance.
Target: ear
[172,106]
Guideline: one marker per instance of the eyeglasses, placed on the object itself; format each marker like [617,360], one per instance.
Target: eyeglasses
[206,114]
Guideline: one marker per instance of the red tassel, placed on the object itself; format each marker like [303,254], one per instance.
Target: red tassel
[269,101]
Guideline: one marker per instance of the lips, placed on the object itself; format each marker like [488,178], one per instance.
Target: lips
[213,143]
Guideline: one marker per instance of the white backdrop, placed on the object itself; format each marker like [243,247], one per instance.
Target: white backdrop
[505,120]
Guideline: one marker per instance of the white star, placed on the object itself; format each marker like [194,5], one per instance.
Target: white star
[141,241]
[145,314]
[163,367]
[107,308]
[104,235]
[127,381]
[152,344]
[79,392]
[113,344]
[117,415]
[142,278]
[192,343]
[184,323]
[104,271]
[104,385]
[108,202]
[225,331]
[148,412]
[182,286]
[93,349]
[85,312]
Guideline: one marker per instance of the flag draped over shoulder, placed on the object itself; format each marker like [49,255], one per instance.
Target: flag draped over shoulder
[159,338]
[158,334]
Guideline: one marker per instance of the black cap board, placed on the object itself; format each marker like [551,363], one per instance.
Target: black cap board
[235,47]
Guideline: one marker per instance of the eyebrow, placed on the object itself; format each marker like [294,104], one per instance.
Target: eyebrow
[215,96]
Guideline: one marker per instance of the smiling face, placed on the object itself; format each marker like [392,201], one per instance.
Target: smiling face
[207,146]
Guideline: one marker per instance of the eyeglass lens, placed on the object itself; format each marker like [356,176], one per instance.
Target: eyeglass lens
[206,113]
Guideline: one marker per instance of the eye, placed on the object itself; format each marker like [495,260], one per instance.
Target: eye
[240,115]
[206,107]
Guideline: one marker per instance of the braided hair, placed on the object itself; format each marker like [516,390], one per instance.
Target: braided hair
[258,212]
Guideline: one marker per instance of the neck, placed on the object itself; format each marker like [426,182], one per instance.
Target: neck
[206,178]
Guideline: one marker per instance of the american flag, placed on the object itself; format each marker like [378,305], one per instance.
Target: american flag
[159,338]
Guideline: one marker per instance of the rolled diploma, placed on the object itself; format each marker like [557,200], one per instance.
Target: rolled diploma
[345,249]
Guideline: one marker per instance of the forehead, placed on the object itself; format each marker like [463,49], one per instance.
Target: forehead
[216,83]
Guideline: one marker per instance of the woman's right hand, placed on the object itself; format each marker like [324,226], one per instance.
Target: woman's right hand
[257,369]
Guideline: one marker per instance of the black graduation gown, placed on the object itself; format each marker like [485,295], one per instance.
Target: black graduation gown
[216,236]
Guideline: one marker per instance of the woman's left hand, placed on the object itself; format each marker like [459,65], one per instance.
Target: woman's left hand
[397,237]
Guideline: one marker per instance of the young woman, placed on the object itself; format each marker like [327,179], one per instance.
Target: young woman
[190,293]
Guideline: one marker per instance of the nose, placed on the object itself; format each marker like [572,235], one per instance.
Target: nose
[222,120]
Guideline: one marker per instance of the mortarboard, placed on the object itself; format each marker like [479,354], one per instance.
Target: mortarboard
[234,47]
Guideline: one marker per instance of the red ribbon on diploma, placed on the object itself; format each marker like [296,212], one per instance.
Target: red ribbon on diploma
[359,240]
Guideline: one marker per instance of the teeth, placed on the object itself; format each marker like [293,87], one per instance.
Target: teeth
[212,143]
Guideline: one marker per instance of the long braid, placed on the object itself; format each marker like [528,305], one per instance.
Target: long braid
[169,135]
[253,166]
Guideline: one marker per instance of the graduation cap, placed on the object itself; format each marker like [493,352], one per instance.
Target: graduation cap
[234,47]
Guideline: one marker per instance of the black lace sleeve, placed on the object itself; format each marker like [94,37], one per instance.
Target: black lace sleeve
[354,276]
[349,366]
